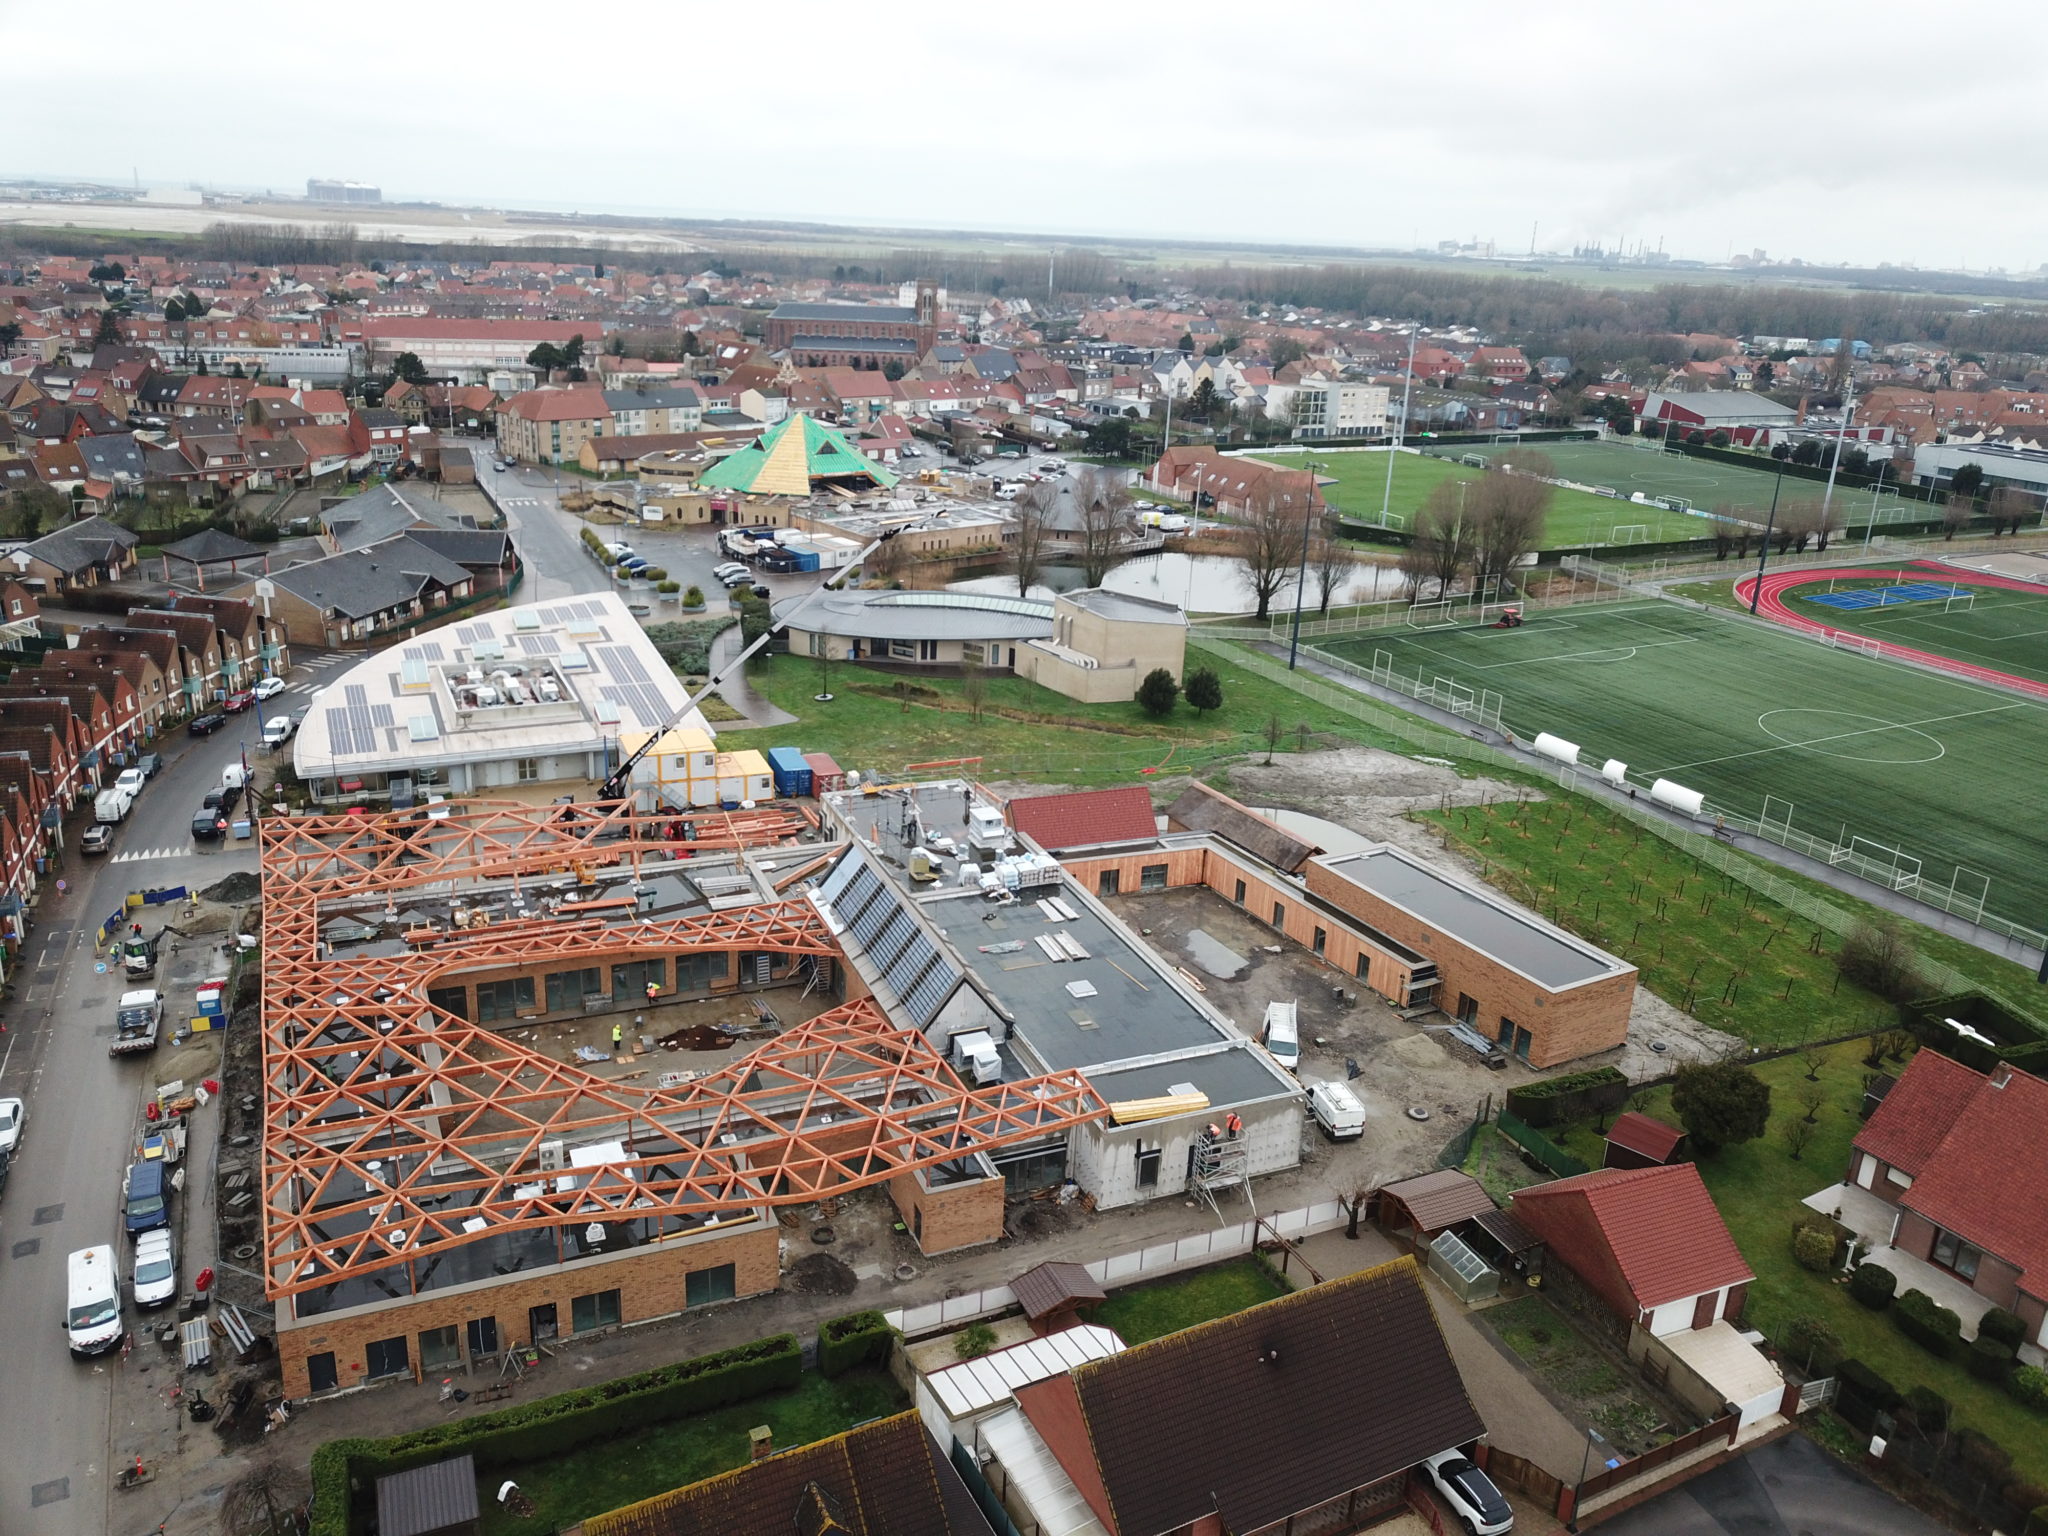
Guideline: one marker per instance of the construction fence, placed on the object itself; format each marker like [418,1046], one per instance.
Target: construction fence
[1231,1242]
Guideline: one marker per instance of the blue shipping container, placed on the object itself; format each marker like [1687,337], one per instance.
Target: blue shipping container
[792,773]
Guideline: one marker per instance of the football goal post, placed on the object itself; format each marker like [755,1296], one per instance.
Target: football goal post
[1441,614]
[1960,601]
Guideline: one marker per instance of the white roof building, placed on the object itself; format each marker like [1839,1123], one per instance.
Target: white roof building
[539,692]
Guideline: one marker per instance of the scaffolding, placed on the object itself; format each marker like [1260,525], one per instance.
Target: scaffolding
[1222,1161]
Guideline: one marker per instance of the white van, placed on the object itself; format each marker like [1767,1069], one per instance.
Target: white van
[92,1309]
[1282,1037]
[1339,1111]
[155,1280]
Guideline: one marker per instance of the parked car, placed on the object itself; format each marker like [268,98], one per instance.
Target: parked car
[131,781]
[150,764]
[727,568]
[97,838]
[155,1278]
[204,725]
[1470,1493]
[13,1116]
[238,701]
[737,579]
[269,688]
[145,1197]
[210,822]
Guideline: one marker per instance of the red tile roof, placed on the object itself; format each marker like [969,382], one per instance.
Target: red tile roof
[1089,816]
[1919,1112]
[1651,1138]
[1986,1181]
[1658,1224]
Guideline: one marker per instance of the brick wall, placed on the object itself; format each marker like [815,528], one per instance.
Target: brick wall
[950,1217]
[1563,1024]
[651,1283]
[1915,1235]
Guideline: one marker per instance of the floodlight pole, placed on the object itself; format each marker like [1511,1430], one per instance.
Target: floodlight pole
[1400,427]
[1764,553]
[1301,577]
[1848,415]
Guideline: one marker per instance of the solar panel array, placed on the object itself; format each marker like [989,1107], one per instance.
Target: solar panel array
[569,613]
[352,728]
[910,963]
[635,688]
[426,650]
[540,645]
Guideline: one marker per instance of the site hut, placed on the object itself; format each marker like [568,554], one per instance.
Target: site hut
[1006,964]
[1419,936]
[538,694]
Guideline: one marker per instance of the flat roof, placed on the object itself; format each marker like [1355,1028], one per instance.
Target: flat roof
[399,709]
[1130,1008]
[1236,1073]
[1517,939]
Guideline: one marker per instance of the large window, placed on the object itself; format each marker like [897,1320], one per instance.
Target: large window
[598,1310]
[439,1348]
[631,980]
[567,989]
[453,1000]
[1152,877]
[503,999]
[696,973]
[1148,1166]
[708,1285]
[385,1357]
[1951,1252]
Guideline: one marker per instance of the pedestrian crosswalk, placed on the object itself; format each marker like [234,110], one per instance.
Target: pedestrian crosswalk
[521,501]
[135,855]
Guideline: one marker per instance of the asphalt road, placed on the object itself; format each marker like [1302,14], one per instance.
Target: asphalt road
[83,1110]
[1790,1487]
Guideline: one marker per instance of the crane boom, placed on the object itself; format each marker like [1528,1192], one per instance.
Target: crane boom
[620,783]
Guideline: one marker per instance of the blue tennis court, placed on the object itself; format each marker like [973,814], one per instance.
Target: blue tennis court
[1884,597]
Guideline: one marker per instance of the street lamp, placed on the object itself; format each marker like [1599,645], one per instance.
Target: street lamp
[1593,1438]
[1764,552]
[1301,576]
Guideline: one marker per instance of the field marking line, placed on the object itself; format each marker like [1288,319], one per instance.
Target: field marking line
[1875,730]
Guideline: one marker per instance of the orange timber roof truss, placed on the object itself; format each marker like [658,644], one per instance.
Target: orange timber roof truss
[409,1126]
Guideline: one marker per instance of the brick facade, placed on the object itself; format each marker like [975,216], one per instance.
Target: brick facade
[1563,1023]
[952,1216]
[651,1282]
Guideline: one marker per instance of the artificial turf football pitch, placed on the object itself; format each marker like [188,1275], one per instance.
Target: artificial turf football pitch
[1945,770]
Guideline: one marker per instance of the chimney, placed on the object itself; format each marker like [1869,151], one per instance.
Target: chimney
[760,1442]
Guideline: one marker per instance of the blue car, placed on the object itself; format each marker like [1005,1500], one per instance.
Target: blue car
[146,1198]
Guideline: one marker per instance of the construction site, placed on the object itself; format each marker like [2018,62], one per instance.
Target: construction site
[537,1072]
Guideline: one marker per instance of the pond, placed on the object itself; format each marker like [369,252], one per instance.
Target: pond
[1200,583]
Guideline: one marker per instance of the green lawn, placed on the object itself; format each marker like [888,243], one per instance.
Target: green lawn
[1700,939]
[659,1457]
[1758,1187]
[1709,483]
[1152,1311]
[1027,732]
[1843,745]
[1576,517]
[1998,628]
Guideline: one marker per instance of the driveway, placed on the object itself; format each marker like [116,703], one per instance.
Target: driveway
[1790,1487]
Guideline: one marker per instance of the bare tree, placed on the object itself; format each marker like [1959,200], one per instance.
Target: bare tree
[1507,514]
[1033,511]
[1270,539]
[2011,508]
[1104,502]
[1443,543]
[1829,519]
[974,689]
[1810,1097]
[1330,564]
[1797,1133]
[264,1501]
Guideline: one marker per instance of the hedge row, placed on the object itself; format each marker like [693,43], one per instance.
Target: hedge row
[858,1338]
[1873,1285]
[1570,1096]
[345,1470]
[1927,1323]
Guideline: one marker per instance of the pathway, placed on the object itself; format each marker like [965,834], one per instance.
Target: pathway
[736,690]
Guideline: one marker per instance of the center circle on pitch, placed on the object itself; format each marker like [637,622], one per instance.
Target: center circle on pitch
[1852,737]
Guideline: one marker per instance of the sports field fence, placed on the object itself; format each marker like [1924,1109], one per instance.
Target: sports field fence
[1964,896]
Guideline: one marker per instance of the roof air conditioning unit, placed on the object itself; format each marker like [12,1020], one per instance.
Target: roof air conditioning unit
[551,1159]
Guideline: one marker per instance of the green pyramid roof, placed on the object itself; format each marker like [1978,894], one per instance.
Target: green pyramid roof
[787,458]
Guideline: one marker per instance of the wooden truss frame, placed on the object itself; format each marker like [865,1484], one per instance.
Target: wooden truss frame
[410,1132]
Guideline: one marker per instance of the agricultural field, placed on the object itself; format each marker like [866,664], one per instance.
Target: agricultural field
[1765,723]
[1356,485]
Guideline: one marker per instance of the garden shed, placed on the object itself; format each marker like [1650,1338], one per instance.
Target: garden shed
[435,1500]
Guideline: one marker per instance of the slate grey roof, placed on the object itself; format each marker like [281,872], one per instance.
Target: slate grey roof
[902,345]
[881,312]
[465,546]
[94,541]
[210,545]
[363,582]
[378,514]
[662,398]
[921,616]
[111,458]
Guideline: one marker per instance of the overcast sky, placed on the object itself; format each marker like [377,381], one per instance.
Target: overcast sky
[1859,132]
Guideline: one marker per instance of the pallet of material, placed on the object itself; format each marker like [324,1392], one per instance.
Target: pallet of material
[1132,1111]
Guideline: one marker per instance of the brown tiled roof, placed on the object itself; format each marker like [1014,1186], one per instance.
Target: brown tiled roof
[1659,1225]
[1053,1285]
[1641,1134]
[1988,1180]
[1919,1112]
[1202,809]
[1088,816]
[1267,1412]
[1441,1199]
[885,1478]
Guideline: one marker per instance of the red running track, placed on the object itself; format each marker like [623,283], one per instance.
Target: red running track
[1772,604]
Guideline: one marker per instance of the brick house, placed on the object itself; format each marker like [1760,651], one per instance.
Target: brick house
[82,554]
[1959,1153]
[550,426]
[1206,478]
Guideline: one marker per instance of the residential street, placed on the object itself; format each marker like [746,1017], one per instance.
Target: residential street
[1790,1487]
[83,1109]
